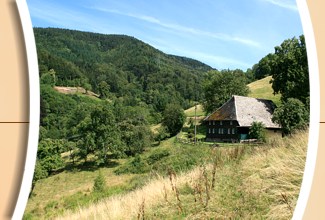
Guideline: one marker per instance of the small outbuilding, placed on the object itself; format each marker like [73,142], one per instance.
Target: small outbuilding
[231,122]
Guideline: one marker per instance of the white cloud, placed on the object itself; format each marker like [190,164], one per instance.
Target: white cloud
[213,60]
[288,4]
[62,17]
[219,61]
[180,28]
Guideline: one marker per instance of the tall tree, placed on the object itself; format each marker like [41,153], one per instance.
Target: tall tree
[49,154]
[48,78]
[292,116]
[263,68]
[136,134]
[103,89]
[100,134]
[173,118]
[220,86]
[290,75]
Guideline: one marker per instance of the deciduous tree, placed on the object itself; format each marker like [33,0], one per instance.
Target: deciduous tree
[263,68]
[292,116]
[290,75]
[173,118]
[220,86]
[100,134]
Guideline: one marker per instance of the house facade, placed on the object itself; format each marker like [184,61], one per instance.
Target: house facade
[231,122]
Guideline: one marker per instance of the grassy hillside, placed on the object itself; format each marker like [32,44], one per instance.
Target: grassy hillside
[143,188]
[242,183]
[85,135]
[190,112]
[72,188]
[263,89]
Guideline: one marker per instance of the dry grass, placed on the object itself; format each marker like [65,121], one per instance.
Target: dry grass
[264,184]
[277,175]
[244,182]
[59,187]
[75,90]
[128,206]
[191,111]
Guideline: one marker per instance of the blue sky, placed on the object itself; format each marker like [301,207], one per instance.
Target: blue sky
[221,33]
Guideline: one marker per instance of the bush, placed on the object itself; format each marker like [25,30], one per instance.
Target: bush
[162,134]
[99,183]
[182,158]
[40,172]
[257,131]
[157,155]
[136,166]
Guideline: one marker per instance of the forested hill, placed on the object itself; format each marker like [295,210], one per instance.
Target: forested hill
[116,66]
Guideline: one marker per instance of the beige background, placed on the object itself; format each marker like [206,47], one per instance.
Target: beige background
[14,109]
[316,203]
[14,106]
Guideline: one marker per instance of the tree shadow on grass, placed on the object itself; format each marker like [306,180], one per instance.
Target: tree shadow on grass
[89,166]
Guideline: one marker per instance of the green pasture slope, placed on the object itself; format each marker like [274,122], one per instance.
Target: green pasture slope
[263,89]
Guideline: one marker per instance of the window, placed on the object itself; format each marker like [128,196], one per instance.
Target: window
[209,131]
[220,122]
[213,122]
[233,130]
[228,130]
[209,122]
[230,122]
[212,130]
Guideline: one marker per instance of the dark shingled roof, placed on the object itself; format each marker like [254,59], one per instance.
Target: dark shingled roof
[245,110]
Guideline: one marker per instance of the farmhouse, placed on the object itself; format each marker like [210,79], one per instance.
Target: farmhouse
[231,122]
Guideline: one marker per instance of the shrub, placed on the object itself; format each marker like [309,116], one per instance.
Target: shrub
[182,158]
[162,134]
[157,155]
[136,166]
[257,131]
[99,183]
[292,116]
